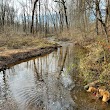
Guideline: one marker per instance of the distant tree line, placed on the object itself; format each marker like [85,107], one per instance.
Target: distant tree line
[54,16]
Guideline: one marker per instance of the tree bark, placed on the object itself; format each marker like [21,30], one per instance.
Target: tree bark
[66,18]
[32,23]
[97,9]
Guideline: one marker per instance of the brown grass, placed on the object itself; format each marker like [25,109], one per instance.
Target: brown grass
[15,48]
[20,42]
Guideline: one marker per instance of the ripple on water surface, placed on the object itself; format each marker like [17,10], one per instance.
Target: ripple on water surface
[33,85]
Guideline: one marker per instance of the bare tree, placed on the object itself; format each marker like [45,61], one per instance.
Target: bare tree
[65,11]
[33,10]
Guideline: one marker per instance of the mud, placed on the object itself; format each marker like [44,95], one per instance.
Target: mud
[13,56]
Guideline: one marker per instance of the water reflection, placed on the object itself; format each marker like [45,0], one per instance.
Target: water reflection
[33,85]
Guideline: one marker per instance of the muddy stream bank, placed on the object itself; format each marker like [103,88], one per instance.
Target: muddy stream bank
[34,84]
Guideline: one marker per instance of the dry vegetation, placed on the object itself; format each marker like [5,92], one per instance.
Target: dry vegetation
[19,47]
[94,54]
[21,41]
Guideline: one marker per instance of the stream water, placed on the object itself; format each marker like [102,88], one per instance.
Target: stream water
[36,84]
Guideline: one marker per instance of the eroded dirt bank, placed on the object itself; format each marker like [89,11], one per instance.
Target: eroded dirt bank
[11,56]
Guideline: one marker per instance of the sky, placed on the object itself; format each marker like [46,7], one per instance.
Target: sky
[51,5]
[17,4]
[102,5]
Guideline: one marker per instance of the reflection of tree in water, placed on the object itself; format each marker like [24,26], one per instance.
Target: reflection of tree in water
[36,86]
[55,94]
[35,70]
[38,74]
[7,102]
[5,85]
[60,57]
[63,62]
[27,64]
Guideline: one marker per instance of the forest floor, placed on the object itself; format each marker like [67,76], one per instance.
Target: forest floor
[14,49]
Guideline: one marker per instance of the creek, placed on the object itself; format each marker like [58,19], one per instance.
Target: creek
[49,82]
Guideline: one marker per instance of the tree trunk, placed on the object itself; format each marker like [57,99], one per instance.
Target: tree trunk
[66,18]
[32,23]
[101,21]
[97,8]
